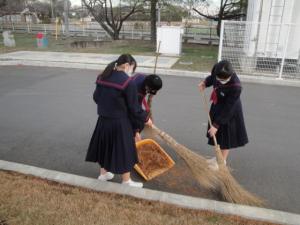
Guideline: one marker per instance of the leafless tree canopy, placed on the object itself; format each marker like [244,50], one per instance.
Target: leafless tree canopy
[111,18]
[229,9]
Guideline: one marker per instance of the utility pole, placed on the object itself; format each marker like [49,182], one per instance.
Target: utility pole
[52,12]
[158,13]
[66,16]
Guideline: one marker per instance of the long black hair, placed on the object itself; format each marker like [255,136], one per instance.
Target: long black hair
[124,58]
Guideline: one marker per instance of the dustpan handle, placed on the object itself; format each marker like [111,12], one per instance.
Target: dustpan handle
[209,118]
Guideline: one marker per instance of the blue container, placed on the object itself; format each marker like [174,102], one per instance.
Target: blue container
[41,40]
[45,42]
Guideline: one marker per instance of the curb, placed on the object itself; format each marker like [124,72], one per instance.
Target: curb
[160,71]
[260,214]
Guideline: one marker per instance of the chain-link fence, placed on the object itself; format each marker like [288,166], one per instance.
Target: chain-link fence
[261,48]
[131,31]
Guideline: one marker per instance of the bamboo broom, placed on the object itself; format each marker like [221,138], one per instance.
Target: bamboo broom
[221,182]
[230,189]
[198,164]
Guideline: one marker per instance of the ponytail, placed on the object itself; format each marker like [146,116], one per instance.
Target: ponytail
[125,58]
[107,71]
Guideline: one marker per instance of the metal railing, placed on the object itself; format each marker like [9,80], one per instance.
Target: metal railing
[196,34]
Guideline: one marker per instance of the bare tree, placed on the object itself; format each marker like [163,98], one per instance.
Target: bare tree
[111,18]
[190,4]
[229,9]
[42,9]
[3,4]
[8,7]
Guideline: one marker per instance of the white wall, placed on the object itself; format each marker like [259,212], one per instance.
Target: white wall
[269,36]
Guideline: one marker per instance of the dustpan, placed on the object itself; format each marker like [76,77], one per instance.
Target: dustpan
[153,160]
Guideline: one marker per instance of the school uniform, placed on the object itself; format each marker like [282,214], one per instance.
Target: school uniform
[139,80]
[120,116]
[226,113]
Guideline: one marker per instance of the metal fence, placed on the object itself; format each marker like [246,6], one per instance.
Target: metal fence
[261,48]
[194,34]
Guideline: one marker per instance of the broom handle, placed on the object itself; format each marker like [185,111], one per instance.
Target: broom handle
[156,57]
[209,118]
[149,100]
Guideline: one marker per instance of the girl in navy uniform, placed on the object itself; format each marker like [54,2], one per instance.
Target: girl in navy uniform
[146,84]
[120,117]
[226,110]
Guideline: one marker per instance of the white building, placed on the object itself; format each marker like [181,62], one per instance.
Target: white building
[273,29]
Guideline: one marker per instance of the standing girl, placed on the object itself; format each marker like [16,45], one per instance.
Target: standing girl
[226,110]
[120,117]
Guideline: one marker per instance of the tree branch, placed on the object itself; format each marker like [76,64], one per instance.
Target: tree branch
[228,17]
[112,14]
[206,16]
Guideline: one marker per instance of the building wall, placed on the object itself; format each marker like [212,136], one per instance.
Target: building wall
[269,28]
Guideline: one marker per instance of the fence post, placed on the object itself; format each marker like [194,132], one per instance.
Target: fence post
[221,41]
[45,30]
[83,31]
[28,28]
[285,51]
[210,41]
[12,25]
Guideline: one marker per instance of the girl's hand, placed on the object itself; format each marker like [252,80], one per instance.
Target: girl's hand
[212,131]
[149,123]
[137,137]
[201,86]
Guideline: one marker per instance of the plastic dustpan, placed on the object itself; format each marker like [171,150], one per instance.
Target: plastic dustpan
[153,160]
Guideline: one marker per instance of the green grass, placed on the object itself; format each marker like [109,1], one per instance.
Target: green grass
[28,42]
[202,56]
[205,31]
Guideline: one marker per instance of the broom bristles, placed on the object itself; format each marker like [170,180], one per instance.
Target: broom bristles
[201,172]
[232,191]
[216,181]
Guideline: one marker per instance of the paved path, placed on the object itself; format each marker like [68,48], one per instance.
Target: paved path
[84,58]
[47,117]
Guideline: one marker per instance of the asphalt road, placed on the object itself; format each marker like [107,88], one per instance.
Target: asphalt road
[47,117]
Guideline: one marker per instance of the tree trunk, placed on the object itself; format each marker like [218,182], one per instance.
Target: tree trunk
[116,35]
[219,27]
[153,20]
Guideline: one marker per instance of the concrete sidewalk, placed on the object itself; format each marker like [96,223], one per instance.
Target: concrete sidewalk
[92,61]
[255,213]
[83,58]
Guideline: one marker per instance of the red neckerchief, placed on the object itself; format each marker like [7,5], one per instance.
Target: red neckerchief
[146,105]
[214,96]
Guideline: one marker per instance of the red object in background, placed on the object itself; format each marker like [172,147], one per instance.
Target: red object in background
[39,35]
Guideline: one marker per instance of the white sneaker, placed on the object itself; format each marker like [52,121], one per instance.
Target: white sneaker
[133,183]
[213,164]
[106,177]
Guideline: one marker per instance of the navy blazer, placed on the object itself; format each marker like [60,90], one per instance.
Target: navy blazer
[227,103]
[116,97]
